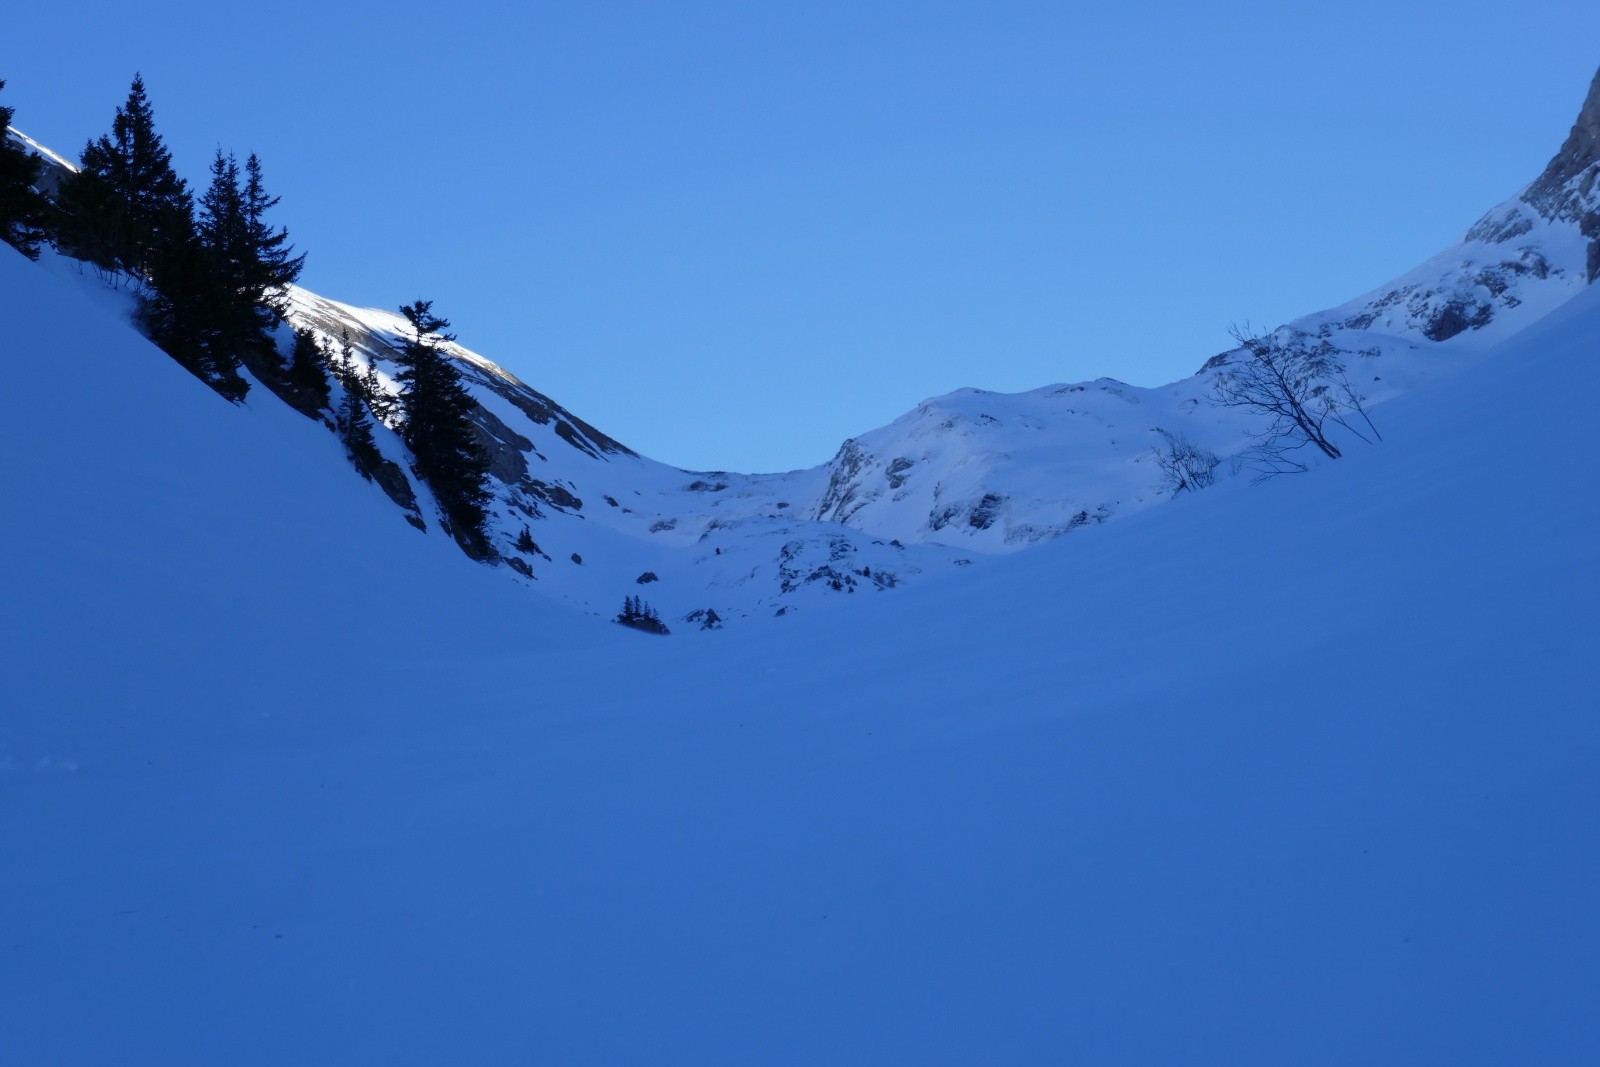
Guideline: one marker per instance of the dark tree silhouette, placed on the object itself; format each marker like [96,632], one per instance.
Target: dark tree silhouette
[125,207]
[307,374]
[273,265]
[22,206]
[1298,385]
[439,430]
[1184,465]
[641,616]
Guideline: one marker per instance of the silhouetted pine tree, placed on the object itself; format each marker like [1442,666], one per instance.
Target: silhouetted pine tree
[217,297]
[274,266]
[355,430]
[189,314]
[125,209]
[307,373]
[439,430]
[641,616]
[225,304]
[22,207]
[382,404]
[351,418]
[362,377]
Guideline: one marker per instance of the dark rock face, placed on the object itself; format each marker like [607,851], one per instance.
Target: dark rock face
[546,412]
[506,448]
[843,496]
[1578,155]
[1457,317]
[1498,227]
[985,511]
[942,517]
[1458,303]
[706,617]
[836,573]
[554,495]
[980,514]
[1569,188]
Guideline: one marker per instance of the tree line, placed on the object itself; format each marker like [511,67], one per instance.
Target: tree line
[212,277]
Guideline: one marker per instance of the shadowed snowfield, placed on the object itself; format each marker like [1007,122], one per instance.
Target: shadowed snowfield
[1300,773]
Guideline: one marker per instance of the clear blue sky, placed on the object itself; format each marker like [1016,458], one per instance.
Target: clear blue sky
[734,234]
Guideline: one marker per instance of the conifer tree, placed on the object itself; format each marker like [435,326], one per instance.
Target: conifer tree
[250,263]
[378,399]
[22,206]
[641,616]
[438,426]
[193,309]
[188,314]
[218,296]
[274,265]
[230,297]
[307,370]
[355,375]
[351,417]
[355,430]
[125,208]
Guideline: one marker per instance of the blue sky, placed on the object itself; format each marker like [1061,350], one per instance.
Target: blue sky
[732,235]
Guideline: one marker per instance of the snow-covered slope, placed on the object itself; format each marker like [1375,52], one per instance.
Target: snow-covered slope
[606,522]
[1301,773]
[999,472]
[974,471]
[583,518]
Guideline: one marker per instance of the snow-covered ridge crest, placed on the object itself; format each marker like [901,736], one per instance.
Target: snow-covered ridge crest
[999,472]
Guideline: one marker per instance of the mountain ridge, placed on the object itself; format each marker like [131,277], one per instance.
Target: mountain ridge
[971,473]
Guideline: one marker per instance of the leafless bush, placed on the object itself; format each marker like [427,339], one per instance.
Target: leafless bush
[1183,464]
[1298,384]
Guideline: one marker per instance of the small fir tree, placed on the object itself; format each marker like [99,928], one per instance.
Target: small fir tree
[355,430]
[187,313]
[274,266]
[352,419]
[125,209]
[217,296]
[438,426]
[307,373]
[640,616]
[378,399]
[22,206]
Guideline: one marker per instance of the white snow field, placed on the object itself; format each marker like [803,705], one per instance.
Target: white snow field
[1300,773]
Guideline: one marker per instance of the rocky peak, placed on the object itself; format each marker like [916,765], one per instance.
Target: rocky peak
[1582,146]
[1566,188]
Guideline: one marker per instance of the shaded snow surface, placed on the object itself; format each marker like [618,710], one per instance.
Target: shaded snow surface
[1303,773]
